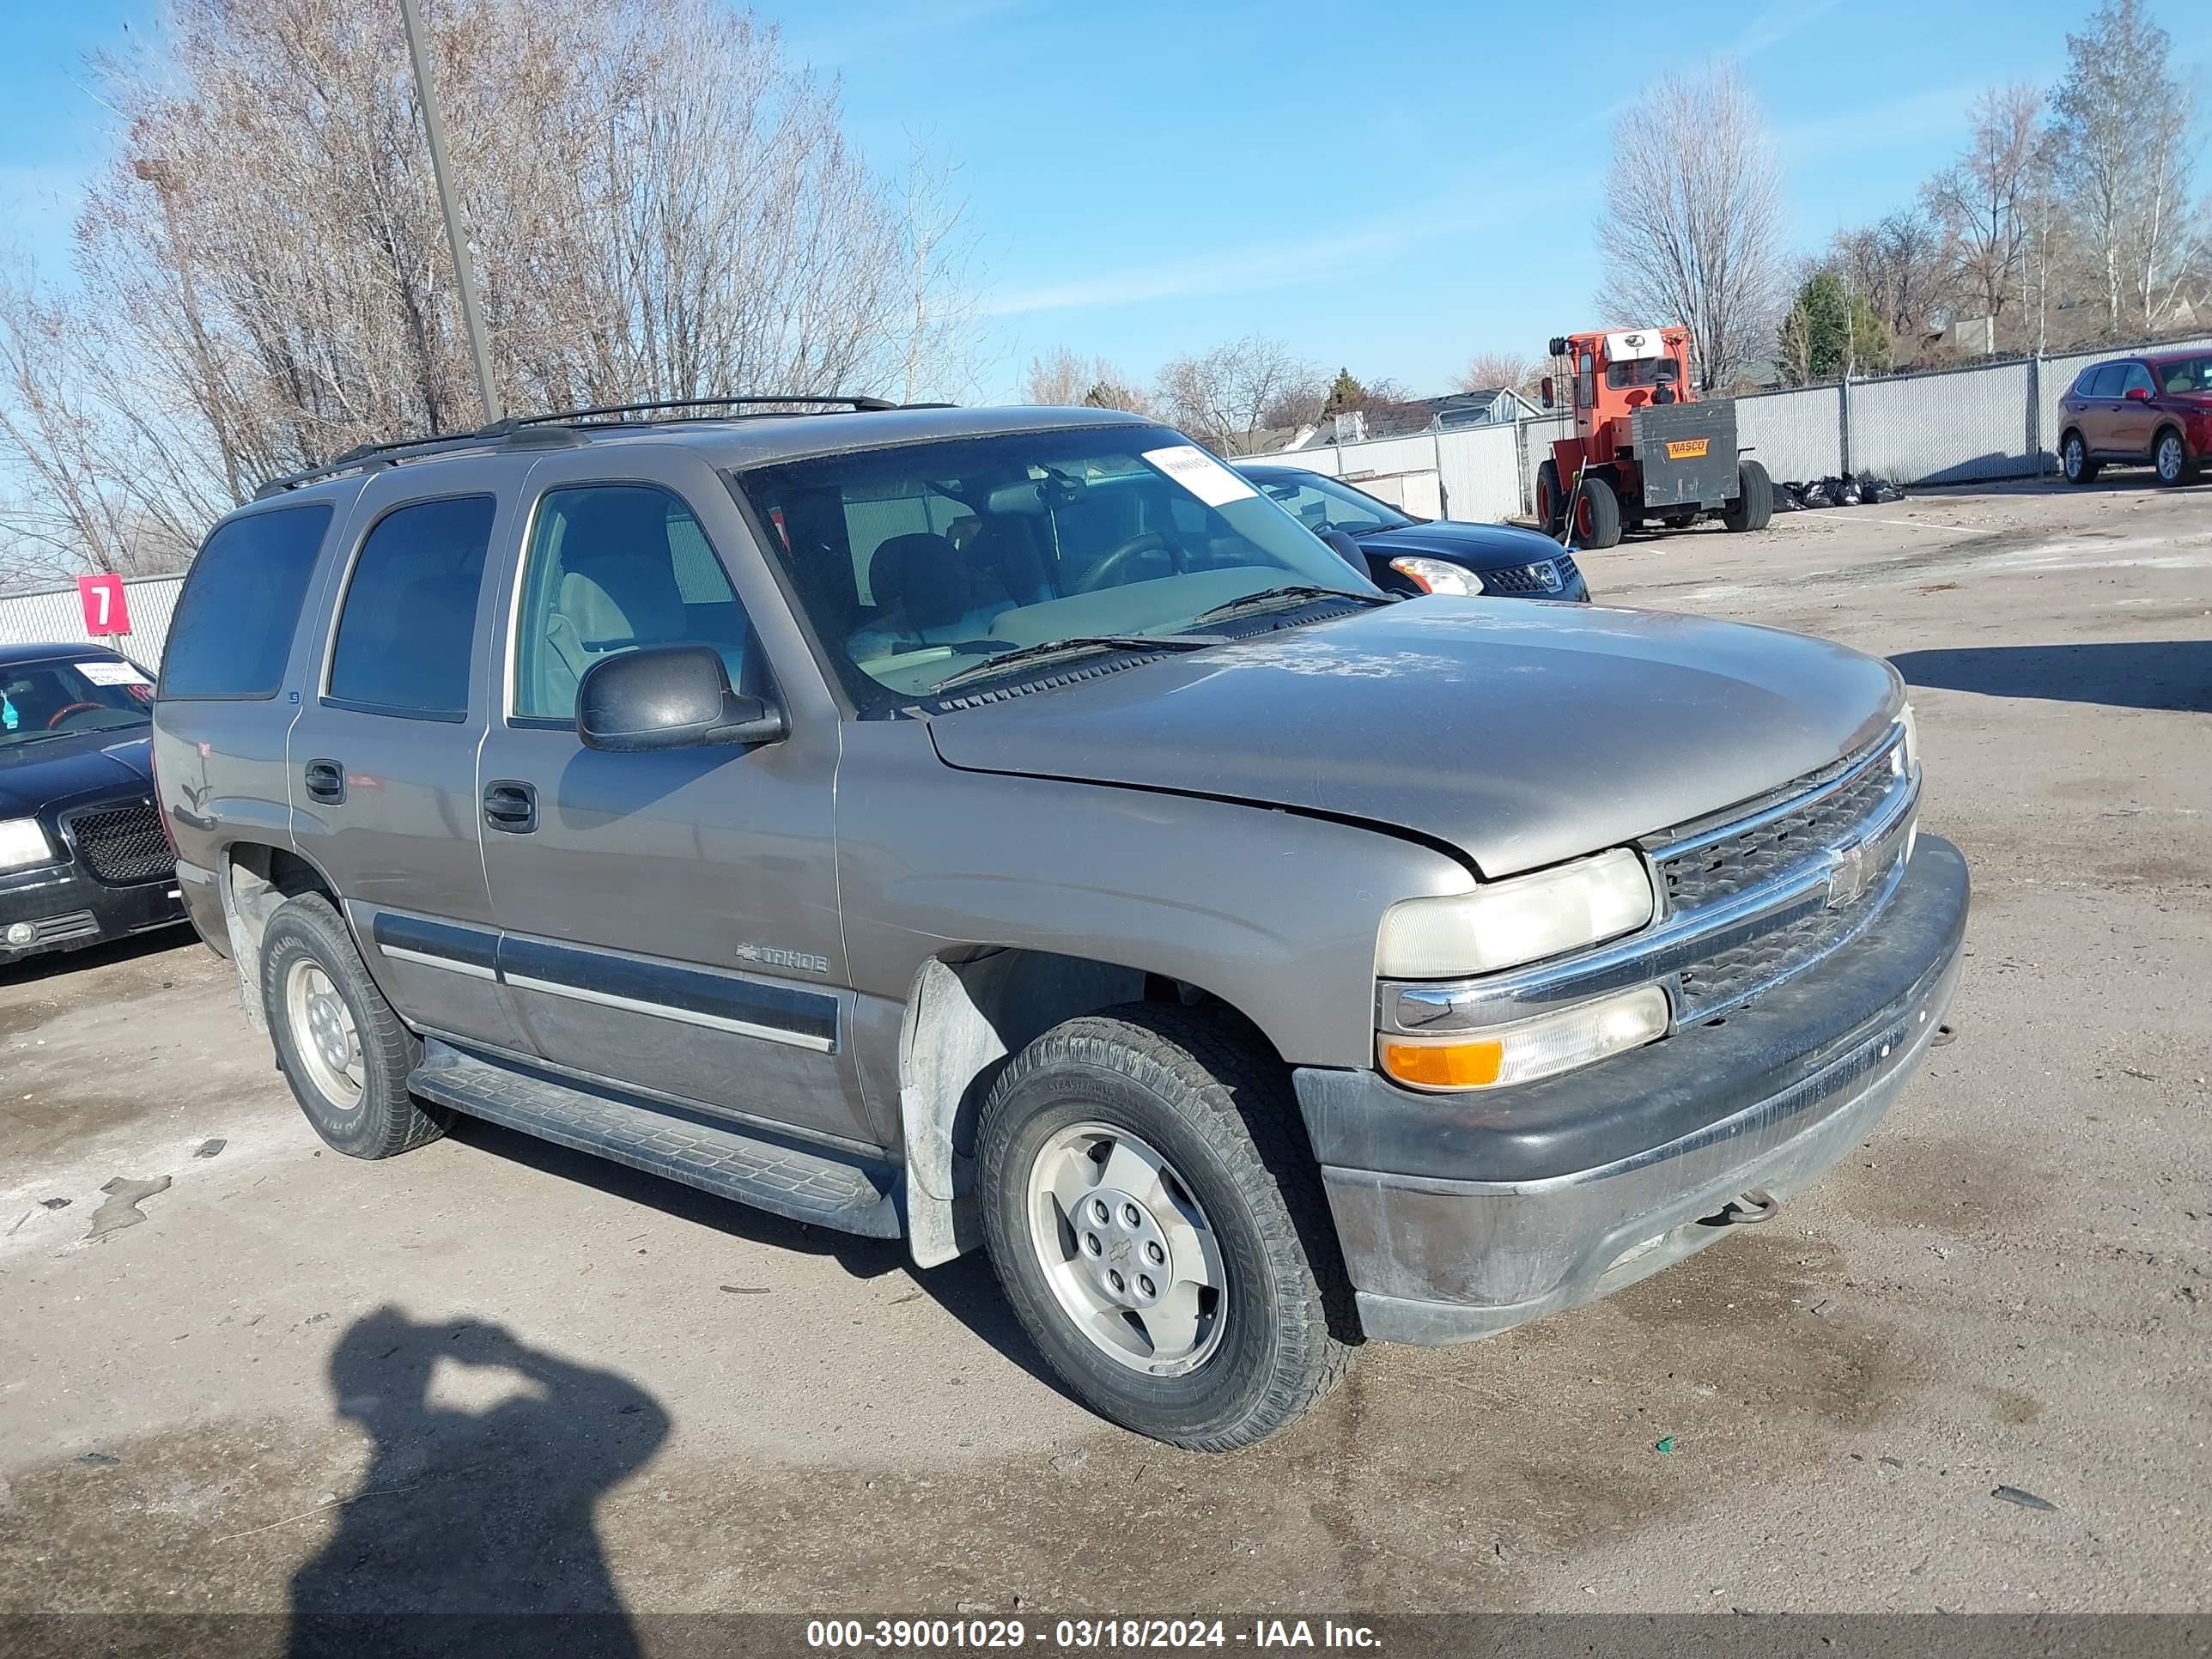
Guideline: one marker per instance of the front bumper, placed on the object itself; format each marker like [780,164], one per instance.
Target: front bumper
[1461,1216]
[67,908]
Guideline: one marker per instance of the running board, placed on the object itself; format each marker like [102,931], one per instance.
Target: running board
[692,1147]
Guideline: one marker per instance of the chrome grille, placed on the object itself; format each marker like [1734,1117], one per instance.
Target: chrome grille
[1837,844]
[122,844]
[1720,868]
[1524,579]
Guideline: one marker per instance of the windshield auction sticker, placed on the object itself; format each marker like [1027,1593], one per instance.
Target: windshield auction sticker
[112,673]
[1201,474]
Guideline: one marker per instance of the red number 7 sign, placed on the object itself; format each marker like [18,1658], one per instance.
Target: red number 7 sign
[105,609]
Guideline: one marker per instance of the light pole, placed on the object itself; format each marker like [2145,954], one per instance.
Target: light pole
[433,125]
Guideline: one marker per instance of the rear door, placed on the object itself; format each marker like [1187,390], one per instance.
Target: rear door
[2099,417]
[384,756]
[669,918]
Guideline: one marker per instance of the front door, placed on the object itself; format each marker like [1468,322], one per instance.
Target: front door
[669,918]
[383,760]
[2133,415]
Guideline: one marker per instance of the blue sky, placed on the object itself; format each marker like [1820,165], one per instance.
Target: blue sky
[1392,188]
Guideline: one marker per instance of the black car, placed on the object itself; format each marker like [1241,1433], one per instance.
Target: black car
[82,853]
[1406,554]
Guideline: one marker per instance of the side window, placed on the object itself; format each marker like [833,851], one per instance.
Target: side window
[2107,383]
[408,620]
[241,606]
[1586,382]
[2135,377]
[613,568]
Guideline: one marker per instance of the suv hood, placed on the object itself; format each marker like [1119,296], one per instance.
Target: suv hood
[35,775]
[1520,734]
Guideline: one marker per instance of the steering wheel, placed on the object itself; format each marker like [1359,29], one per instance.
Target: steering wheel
[1101,574]
[63,713]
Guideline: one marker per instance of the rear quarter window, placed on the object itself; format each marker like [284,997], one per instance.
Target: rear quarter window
[233,631]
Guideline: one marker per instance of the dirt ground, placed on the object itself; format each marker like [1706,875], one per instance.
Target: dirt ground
[491,1375]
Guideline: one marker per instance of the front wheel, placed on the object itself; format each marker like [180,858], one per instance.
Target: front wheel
[1597,513]
[1158,1222]
[2176,466]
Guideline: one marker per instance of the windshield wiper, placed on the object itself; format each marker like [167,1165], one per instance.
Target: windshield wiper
[1294,592]
[1074,644]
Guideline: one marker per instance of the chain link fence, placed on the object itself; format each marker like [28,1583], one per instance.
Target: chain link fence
[56,616]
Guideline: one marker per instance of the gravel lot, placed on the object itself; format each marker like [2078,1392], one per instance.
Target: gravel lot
[2011,1283]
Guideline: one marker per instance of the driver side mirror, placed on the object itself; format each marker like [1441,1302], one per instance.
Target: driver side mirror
[2139,393]
[668,696]
[1546,392]
[1346,548]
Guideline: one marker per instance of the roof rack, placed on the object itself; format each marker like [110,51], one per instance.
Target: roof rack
[864,405]
[539,431]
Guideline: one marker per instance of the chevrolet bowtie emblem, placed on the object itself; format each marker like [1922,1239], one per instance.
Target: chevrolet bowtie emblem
[1848,877]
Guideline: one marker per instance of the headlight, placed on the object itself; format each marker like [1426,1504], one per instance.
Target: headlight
[1905,719]
[1436,576]
[1506,923]
[1530,1050]
[23,843]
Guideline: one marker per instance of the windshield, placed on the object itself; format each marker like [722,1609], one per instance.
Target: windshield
[917,563]
[57,695]
[1321,502]
[2186,378]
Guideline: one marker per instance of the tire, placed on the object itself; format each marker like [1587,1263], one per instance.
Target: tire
[2171,460]
[1755,499]
[1598,514]
[1228,1192]
[2074,460]
[310,969]
[1550,509]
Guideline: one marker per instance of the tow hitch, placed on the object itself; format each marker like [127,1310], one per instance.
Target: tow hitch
[1746,1209]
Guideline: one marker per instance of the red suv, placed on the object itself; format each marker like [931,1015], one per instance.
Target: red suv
[2137,409]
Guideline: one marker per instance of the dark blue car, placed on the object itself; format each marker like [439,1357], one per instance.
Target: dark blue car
[1406,554]
[82,854]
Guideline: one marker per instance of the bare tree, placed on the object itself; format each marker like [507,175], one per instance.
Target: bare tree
[1224,396]
[1060,376]
[1899,264]
[2121,121]
[1488,370]
[1692,225]
[1981,200]
[661,206]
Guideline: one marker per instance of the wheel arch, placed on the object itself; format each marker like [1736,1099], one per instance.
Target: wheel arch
[256,878]
[967,1013]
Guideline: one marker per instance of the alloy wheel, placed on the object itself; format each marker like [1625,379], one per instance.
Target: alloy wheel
[1128,1252]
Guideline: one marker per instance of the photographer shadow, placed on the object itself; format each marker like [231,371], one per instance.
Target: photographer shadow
[473,1531]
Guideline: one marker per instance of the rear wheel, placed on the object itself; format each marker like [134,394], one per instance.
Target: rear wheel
[2074,460]
[1755,499]
[2170,454]
[1597,513]
[1159,1225]
[338,1043]
[1550,511]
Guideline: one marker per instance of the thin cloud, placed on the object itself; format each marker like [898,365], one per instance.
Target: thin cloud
[1274,265]
[1776,23]
[1912,120]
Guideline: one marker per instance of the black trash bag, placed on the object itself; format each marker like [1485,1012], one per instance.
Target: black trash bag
[1786,498]
[1875,490]
[1815,495]
[1847,491]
